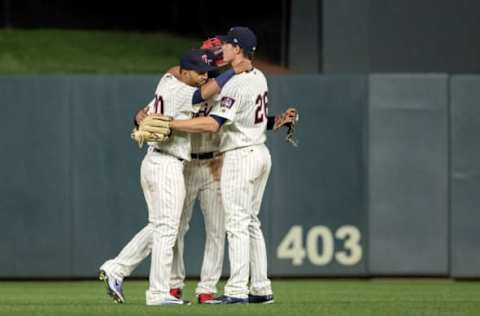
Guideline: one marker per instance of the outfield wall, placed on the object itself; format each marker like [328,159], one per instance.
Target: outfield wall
[385,180]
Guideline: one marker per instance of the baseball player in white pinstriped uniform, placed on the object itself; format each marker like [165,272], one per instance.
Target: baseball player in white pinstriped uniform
[163,183]
[243,112]
[202,180]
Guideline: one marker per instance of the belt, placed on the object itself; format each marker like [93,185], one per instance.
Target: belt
[204,156]
[162,152]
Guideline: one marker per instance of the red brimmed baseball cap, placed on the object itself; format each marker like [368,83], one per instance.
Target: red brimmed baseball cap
[241,36]
[199,60]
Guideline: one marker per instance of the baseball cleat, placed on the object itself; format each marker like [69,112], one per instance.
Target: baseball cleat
[176,292]
[261,299]
[206,298]
[172,300]
[114,287]
[230,300]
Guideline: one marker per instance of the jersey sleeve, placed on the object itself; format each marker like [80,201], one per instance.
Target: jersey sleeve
[226,104]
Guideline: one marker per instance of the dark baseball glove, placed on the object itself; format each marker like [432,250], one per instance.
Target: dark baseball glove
[289,119]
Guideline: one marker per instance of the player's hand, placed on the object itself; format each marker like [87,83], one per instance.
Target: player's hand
[140,116]
[244,65]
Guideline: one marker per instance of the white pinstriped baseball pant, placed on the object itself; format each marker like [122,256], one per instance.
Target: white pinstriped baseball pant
[164,189]
[244,178]
[199,182]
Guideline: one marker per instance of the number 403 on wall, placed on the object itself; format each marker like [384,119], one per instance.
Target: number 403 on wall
[320,245]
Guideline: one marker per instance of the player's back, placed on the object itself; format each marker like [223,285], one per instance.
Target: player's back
[173,98]
[243,102]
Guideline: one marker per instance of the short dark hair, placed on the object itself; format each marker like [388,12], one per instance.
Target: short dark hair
[249,55]
[246,54]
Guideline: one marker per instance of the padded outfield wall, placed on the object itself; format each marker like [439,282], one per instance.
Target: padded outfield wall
[382,183]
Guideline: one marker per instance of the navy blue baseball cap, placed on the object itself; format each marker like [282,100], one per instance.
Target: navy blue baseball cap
[199,60]
[241,36]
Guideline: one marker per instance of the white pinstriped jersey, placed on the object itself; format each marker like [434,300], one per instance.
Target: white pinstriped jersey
[205,142]
[243,102]
[174,98]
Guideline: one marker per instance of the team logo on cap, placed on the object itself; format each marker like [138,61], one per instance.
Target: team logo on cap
[205,59]
[227,102]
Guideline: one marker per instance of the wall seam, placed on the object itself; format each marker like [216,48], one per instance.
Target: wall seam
[449,176]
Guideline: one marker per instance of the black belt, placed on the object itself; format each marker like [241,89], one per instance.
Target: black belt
[162,152]
[204,156]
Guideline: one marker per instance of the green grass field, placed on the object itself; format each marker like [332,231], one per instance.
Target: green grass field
[293,297]
[63,51]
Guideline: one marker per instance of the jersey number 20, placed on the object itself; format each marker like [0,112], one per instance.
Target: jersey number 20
[261,109]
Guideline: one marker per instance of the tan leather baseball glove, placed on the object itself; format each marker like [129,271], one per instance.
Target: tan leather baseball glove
[153,128]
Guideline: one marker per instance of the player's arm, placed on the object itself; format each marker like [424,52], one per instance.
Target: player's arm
[209,89]
[204,124]
[213,87]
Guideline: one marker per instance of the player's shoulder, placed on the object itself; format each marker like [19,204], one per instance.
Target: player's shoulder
[248,75]
[251,77]
[254,74]
[170,79]
[166,80]
[258,76]
[257,73]
[170,82]
[245,79]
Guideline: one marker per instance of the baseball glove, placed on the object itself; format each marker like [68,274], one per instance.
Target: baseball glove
[153,128]
[285,118]
[288,119]
[291,131]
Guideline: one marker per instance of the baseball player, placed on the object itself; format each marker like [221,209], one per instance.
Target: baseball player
[162,180]
[241,113]
[202,180]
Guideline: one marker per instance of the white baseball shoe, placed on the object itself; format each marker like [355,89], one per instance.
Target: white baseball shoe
[172,300]
[114,287]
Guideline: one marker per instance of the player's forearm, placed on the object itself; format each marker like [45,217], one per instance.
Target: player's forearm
[270,122]
[209,89]
[197,125]
[213,87]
